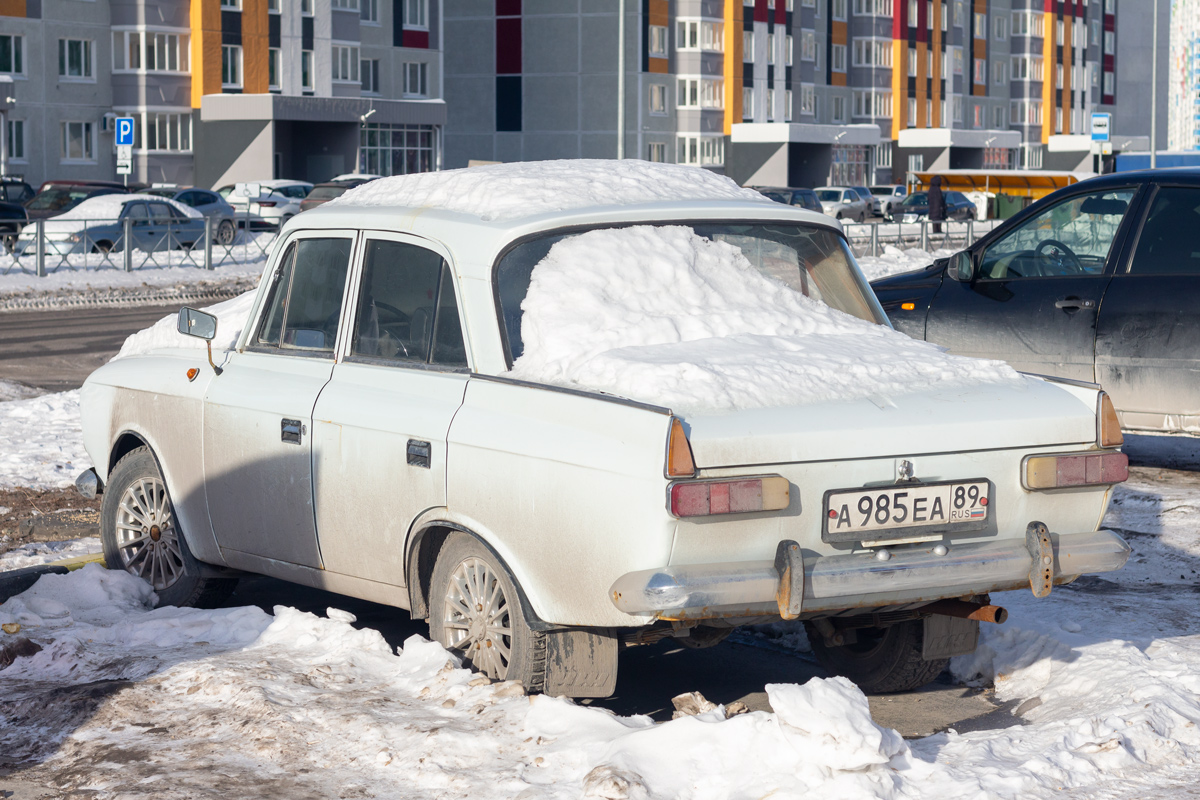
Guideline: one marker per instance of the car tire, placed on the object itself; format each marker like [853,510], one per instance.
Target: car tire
[136,495]
[884,660]
[102,247]
[471,626]
[226,233]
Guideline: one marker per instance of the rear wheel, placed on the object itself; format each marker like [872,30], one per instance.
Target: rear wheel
[475,612]
[140,535]
[226,232]
[882,659]
[102,246]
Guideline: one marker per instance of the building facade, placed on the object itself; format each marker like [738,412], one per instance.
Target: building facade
[224,90]
[1185,76]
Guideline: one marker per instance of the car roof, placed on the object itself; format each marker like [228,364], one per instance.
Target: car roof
[476,243]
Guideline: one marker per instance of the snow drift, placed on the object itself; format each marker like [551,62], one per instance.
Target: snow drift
[662,315]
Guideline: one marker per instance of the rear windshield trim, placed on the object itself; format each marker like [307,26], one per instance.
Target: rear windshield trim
[584,228]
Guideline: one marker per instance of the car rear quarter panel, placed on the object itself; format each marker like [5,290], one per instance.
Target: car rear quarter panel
[151,397]
[568,490]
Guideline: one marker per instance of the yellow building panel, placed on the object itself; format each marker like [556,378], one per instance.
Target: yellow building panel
[255,41]
[1048,70]
[206,49]
[659,13]
[732,65]
[12,8]
[899,87]
[1066,87]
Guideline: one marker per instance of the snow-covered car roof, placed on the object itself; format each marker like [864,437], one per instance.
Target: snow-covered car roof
[106,208]
[478,211]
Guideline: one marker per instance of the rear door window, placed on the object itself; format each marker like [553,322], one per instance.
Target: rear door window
[1169,243]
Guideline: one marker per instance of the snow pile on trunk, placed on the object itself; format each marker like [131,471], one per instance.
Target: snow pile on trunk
[662,315]
[41,442]
[512,191]
[231,318]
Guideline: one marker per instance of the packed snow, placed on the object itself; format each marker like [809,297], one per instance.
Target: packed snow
[662,315]
[13,390]
[41,442]
[512,191]
[37,553]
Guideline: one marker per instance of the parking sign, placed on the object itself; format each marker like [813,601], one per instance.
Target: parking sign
[124,131]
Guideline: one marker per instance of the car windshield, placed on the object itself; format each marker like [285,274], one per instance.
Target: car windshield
[58,198]
[808,259]
[881,191]
[917,199]
[161,192]
[829,195]
[326,192]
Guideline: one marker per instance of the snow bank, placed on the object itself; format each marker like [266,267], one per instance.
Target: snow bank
[41,441]
[36,553]
[665,316]
[512,191]
[231,318]
[12,390]
[894,261]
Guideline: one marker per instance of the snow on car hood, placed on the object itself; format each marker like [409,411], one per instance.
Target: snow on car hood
[661,315]
[231,318]
[512,191]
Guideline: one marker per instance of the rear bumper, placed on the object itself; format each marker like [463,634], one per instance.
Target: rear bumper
[859,580]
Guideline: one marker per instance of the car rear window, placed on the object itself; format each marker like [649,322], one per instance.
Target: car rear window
[809,259]
[326,192]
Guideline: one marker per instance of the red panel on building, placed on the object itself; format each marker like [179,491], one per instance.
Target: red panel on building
[899,19]
[416,39]
[508,8]
[508,46]
[780,12]
[761,11]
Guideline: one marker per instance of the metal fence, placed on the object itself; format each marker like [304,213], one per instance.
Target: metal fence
[870,239]
[47,246]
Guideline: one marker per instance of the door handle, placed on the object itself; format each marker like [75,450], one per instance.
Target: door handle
[290,431]
[419,453]
[1074,303]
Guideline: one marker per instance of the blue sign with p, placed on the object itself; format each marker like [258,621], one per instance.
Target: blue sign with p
[125,131]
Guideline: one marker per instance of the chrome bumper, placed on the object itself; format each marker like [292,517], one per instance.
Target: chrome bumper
[860,580]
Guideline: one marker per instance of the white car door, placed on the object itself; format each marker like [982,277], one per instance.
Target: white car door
[258,411]
[380,426]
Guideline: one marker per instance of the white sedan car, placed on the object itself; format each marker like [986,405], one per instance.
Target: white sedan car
[842,202]
[559,409]
[273,202]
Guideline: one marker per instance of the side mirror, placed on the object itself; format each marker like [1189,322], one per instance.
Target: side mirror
[197,323]
[961,267]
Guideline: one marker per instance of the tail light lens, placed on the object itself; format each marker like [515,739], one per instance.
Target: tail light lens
[736,496]
[267,204]
[1108,423]
[680,463]
[1082,469]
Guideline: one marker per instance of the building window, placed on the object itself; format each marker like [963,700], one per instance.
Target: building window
[1031,156]
[916,163]
[770,106]
[958,13]
[75,59]
[787,105]
[1000,29]
[980,25]
[747,45]
[701,150]
[273,6]
[1026,112]
[658,98]
[1058,33]
[694,34]
[929,15]
[700,93]
[369,12]
[872,53]
[872,8]
[945,16]
[273,67]
[11,57]
[231,66]
[808,98]
[416,13]
[929,113]
[16,140]
[1095,31]
[306,70]
[787,50]
[956,105]
[747,102]
[395,149]
[850,165]
[236,5]
[369,69]
[996,158]
[1058,117]
[658,41]
[415,74]
[998,73]
[912,13]
[1110,43]
[998,117]
[980,71]
[839,108]
[912,62]
[1027,68]
[164,131]
[883,155]
[344,66]
[770,48]
[1108,84]
[306,8]
[345,5]
[78,143]
[656,152]
[977,116]
[911,122]
[958,61]
[1028,23]
[873,103]
[150,52]
[808,45]
[837,57]
[839,9]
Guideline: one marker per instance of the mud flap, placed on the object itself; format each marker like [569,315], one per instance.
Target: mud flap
[1041,550]
[581,663]
[948,636]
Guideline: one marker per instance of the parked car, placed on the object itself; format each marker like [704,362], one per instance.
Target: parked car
[915,207]
[96,225]
[324,192]
[268,204]
[13,218]
[354,176]
[1096,283]
[209,204]
[842,202]
[14,190]
[364,434]
[889,196]
[58,197]
[804,198]
[873,205]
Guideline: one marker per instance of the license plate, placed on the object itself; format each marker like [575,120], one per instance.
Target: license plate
[906,510]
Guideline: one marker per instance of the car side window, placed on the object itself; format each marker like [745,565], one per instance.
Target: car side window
[1170,240]
[160,211]
[407,309]
[135,211]
[306,296]
[1072,237]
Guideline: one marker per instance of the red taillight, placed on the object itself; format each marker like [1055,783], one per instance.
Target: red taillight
[267,204]
[739,496]
[1084,469]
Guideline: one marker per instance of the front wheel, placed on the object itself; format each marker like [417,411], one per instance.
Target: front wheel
[882,660]
[475,612]
[140,535]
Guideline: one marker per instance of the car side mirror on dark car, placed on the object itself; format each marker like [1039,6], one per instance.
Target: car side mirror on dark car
[961,267]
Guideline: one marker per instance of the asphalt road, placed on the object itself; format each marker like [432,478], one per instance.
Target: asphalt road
[55,350]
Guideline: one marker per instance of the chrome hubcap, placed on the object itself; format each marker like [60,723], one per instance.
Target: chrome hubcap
[477,621]
[146,535]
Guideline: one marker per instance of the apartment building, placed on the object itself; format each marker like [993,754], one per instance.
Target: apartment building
[224,90]
[1184,78]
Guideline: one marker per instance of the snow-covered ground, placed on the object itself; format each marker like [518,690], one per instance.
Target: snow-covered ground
[894,261]
[41,443]
[37,553]
[1106,676]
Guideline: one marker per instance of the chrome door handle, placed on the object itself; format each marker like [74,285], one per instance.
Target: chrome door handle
[290,431]
[1074,302]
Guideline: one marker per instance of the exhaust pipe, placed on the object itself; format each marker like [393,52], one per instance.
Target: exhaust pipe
[965,610]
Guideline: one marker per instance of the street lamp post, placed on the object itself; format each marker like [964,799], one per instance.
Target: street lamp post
[620,79]
[1154,89]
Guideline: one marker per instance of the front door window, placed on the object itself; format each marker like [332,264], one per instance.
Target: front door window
[306,299]
[1073,237]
